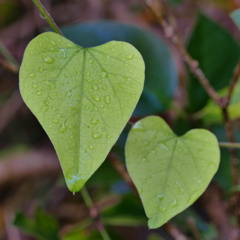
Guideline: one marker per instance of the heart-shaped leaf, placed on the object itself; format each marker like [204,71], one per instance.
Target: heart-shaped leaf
[170,172]
[83,98]
[161,77]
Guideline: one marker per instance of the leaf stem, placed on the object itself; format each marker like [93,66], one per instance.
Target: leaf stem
[47,16]
[229,145]
[94,214]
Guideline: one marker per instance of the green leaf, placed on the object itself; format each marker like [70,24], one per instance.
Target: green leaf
[42,227]
[170,172]
[82,97]
[154,236]
[235,15]
[212,114]
[217,53]
[161,75]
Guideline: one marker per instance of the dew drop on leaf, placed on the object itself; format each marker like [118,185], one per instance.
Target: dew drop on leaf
[63,128]
[96,135]
[104,74]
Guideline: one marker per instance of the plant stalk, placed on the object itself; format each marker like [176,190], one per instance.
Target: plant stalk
[94,214]
[47,16]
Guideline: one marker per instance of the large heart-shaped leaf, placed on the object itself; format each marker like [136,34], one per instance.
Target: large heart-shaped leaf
[170,172]
[161,75]
[82,97]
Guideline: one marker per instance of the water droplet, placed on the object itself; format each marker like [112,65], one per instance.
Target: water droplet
[122,84]
[104,87]
[90,61]
[160,196]
[96,98]
[55,121]
[130,56]
[31,75]
[69,94]
[144,159]
[162,209]
[173,203]
[40,69]
[64,52]
[91,147]
[90,80]
[44,108]
[53,43]
[107,99]
[35,86]
[138,127]
[146,143]
[94,120]
[50,84]
[179,188]
[63,128]
[109,136]
[47,59]
[39,93]
[104,74]
[140,190]
[96,135]
[103,129]
[94,87]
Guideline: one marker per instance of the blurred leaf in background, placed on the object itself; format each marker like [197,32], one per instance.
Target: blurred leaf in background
[235,15]
[217,53]
[42,226]
[10,10]
[161,76]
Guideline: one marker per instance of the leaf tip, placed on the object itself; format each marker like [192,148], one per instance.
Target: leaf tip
[75,183]
[156,221]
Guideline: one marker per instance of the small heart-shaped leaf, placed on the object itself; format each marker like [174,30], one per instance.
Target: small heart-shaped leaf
[170,172]
[83,98]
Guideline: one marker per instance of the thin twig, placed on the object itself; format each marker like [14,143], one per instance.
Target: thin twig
[8,56]
[192,224]
[9,66]
[233,83]
[94,214]
[9,109]
[47,16]
[115,161]
[161,13]
[175,233]
[229,145]
[231,139]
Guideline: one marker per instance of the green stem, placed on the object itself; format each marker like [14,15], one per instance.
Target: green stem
[8,56]
[47,16]
[94,214]
[229,145]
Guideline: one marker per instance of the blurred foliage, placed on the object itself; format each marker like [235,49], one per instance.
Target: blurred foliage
[10,10]
[217,53]
[42,226]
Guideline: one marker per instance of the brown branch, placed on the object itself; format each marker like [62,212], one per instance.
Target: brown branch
[30,164]
[117,164]
[174,232]
[233,151]
[216,207]
[9,109]
[8,66]
[192,224]
[233,83]
[160,12]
